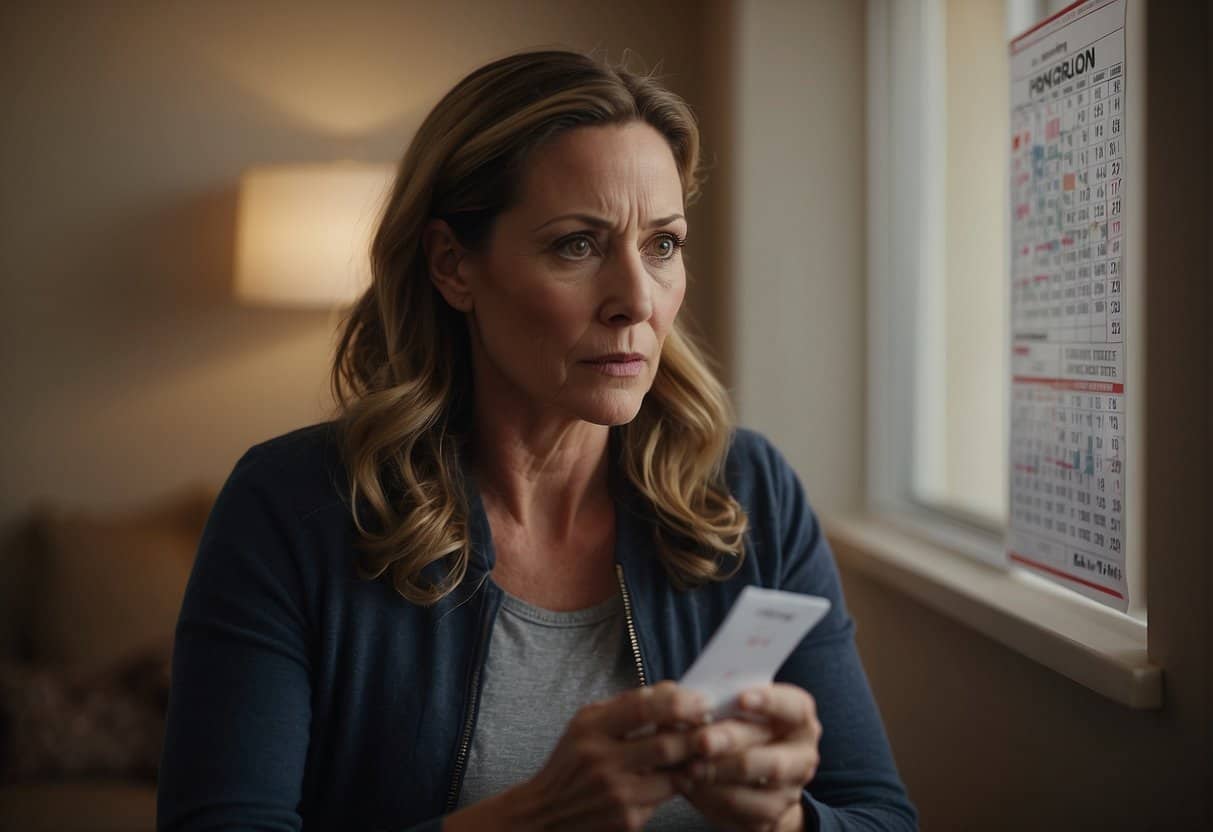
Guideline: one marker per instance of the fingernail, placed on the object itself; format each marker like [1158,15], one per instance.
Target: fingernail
[751,699]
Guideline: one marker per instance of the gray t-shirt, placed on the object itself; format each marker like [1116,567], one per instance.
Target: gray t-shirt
[542,666]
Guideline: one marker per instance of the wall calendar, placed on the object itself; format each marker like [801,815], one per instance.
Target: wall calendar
[1068,415]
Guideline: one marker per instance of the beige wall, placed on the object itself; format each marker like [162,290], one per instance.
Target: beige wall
[990,740]
[798,262]
[128,369]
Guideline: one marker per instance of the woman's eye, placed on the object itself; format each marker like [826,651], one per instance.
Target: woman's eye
[665,246]
[575,248]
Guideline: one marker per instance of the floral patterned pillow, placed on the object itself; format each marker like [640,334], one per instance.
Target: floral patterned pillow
[58,724]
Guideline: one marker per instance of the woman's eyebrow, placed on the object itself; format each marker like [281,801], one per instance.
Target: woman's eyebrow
[664,221]
[600,222]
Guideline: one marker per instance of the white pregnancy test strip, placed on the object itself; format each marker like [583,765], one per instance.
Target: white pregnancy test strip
[757,636]
[760,631]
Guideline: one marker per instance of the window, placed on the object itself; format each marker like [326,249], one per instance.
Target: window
[938,298]
[962,408]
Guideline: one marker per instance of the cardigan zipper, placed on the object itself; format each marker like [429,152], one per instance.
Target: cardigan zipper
[465,741]
[631,625]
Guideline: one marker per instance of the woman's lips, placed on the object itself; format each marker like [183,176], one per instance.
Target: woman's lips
[629,365]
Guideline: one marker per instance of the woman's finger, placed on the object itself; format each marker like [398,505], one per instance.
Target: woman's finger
[651,788]
[768,766]
[730,736]
[742,806]
[791,707]
[665,749]
[633,712]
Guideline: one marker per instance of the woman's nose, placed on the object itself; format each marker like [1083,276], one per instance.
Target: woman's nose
[629,297]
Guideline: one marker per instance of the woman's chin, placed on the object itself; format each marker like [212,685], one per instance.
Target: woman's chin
[619,408]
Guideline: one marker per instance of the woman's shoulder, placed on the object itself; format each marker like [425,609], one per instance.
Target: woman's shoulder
[756,470]
[310,442]
[300,469]
[788,546]
[749,445]
[762,480]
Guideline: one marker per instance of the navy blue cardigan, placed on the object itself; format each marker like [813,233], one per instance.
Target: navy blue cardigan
[306,697]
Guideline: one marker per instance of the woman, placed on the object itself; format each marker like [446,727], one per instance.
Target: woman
[459,604]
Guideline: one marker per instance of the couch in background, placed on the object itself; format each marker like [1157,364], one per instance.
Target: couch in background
[88,604]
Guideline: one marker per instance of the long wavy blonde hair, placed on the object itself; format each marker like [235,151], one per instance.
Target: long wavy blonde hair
[402,375]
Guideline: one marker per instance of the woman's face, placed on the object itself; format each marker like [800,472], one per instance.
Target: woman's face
[575,292]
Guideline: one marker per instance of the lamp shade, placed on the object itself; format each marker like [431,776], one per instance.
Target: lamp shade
[303,232]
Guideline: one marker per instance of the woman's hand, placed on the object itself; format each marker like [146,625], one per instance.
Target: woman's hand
[751,775]
[597,778]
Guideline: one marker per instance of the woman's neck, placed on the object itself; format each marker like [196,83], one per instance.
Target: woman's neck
[541,475]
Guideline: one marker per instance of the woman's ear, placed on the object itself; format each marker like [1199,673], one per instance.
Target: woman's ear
[444,255]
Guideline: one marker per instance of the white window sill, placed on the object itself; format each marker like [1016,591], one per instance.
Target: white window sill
[1095,646]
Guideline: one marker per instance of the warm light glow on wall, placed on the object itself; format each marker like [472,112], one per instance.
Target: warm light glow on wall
[303,232]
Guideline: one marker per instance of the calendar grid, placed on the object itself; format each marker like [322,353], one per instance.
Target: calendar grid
[1067,446]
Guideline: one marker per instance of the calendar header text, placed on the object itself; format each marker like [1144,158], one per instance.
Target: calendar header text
[1064,71]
